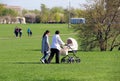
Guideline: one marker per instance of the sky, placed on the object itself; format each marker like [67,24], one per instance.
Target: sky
[35,4]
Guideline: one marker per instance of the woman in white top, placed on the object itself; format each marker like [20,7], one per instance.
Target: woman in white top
[56,47]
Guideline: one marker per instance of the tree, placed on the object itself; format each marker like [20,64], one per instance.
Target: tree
[101,29]
[57,14]
[1,9]
[9,12]
[24,11]
[38,19]
[113,10]
[44,13]
[30,17]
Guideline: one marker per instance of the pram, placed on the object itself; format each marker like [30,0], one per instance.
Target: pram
[70,47]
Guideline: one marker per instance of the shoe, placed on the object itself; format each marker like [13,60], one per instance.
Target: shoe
[42,61]
[46,61]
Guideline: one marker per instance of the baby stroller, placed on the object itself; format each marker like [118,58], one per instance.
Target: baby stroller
[70,47]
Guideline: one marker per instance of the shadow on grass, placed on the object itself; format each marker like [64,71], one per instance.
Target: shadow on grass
[26,63]
[32,49]
[29,63]
[53,79]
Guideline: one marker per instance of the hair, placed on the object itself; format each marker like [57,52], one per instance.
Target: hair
[46,32]
[57,32]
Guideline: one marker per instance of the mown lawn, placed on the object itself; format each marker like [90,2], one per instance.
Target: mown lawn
[19,58]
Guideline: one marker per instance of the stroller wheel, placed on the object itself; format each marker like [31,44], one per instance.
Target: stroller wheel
[70,60]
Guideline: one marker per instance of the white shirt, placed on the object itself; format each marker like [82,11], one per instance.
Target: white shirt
[57,42]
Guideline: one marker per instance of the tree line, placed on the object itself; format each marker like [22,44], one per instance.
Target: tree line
[47,15]
[44,15]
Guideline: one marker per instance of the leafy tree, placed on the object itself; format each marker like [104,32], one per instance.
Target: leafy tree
[44,13]
[101,29]
[113,18]
[57,9]
[9,12]
[30,17]
[66,15]
[1,9]
[24,11]
[57,14]
[38,19]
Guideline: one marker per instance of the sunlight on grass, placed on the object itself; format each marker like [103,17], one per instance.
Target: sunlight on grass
[19,58]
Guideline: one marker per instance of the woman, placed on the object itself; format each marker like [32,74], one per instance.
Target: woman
[45,50]
[56,47]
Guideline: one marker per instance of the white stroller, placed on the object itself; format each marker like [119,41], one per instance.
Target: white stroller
[70,47]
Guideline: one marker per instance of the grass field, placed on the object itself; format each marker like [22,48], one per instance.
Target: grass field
[19,58]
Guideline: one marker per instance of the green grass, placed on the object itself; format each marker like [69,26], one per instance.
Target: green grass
[19,58]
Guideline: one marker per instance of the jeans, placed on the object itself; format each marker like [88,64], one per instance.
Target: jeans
[45,56]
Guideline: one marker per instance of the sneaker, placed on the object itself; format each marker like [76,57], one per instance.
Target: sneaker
[42,61]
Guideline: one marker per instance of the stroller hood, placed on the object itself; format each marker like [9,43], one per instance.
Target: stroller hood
[72,43]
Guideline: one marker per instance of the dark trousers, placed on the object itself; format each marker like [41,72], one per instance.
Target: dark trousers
[16,34]
[20,34]
[53,52]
